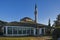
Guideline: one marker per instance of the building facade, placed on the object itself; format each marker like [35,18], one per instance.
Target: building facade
[24,28]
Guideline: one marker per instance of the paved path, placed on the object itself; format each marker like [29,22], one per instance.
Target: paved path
[25,38]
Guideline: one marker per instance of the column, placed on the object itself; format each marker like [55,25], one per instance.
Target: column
[17,30]
[6,30]
[34,31]
[30,31]
[40,31]
[26,31]
[12,31]
[22,30]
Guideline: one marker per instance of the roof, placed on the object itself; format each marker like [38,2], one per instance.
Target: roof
[25,24]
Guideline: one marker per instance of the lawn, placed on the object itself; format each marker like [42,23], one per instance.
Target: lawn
[24,38]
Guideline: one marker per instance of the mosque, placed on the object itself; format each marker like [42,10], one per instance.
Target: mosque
[26,27]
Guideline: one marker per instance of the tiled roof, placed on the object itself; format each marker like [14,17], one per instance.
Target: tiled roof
[25,24]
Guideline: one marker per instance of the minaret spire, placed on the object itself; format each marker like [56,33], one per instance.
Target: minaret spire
[35,13]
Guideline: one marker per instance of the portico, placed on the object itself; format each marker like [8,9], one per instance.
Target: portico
[21,31]
[18,31]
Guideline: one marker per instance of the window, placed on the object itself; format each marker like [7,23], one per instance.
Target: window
[9,30]
[28,31]
[19,31]
[14,30]
[32,32]
[42,31]
[4,30]
[24,31]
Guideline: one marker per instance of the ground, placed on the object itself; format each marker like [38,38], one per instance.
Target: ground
[25,38]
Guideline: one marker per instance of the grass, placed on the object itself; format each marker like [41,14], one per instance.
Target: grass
[24,38]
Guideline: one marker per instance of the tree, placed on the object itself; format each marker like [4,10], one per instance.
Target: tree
[2,23]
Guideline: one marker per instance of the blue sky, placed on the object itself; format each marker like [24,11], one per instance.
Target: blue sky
[14,10]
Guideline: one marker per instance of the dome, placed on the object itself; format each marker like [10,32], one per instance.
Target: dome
[26,19]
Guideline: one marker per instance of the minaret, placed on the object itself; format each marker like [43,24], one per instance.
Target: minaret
[35,12]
